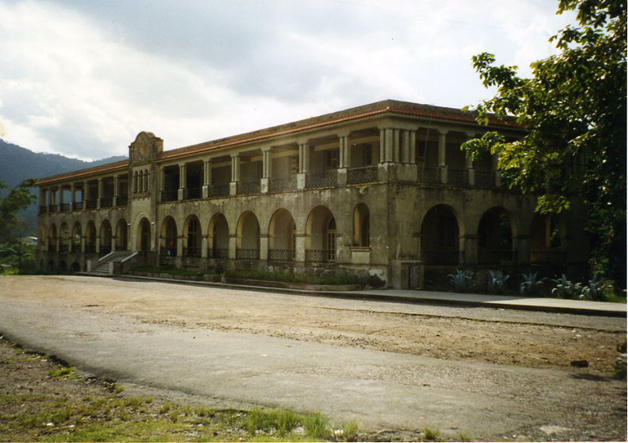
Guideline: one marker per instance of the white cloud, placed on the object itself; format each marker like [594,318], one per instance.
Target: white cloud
[82,79]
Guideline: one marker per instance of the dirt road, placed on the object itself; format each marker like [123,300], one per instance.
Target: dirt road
[485,372]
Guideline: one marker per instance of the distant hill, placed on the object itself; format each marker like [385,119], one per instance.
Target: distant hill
[18,164]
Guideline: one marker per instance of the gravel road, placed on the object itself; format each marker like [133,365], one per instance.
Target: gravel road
[487,373]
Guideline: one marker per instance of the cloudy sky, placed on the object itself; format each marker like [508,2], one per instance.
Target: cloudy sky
[82,78]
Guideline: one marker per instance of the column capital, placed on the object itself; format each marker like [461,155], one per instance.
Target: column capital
[265,149]
[235,155]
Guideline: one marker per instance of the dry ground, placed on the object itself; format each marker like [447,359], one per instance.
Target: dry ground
[526,339]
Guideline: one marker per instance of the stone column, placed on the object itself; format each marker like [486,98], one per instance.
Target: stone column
[405,146]
[469,162]
[344,158]
[442,154]
[233,244]
[470,249]
[116,191]
[263,246]
[72,196]
[100,193]
[304,165]
[267,169]
[207,177]
[498,179]
[60,198]
[85,194]
[300,248]
[396,148]
[182,181]
[412,148]
[235,174]
[523,249]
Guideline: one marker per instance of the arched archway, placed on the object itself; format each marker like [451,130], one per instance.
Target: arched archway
[320,236]
[77,236]
[64,238]
[281,236]
[440,237]
[361,226]
[63,267]
[105,237]
[52,238]
[90,237]
[495,237]
[169,237]
[547,240]
[122,238]
[218,237]
[247,237]
[143,236]
[192,236]
[75,267]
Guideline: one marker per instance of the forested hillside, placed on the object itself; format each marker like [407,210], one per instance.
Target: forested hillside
[18,164]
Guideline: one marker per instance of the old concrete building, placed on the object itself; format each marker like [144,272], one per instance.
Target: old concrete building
[381,189]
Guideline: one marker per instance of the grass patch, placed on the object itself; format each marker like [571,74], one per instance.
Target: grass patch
[431,434]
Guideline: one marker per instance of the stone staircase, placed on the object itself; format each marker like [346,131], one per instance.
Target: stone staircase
[103,265]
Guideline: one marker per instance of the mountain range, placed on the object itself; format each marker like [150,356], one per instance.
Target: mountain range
[18,164]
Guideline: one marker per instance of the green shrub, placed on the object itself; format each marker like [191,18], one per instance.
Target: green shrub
[497,282]
[317,426]
[531,286]
[460,280]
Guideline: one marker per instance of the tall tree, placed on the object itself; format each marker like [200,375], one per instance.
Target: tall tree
[574,107]
[16,199]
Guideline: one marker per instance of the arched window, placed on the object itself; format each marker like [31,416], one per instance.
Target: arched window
[135,185]
[145,187]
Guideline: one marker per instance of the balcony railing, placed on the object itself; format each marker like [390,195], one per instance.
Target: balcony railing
[442,257]
[65,207]
[328,179]
[122,201]
[249,187]
[282,184]
[168,251]
[106,202]
[90,249]
[366,174]
[104,250]
[484,179]
[90,204]
[43,209]
[63,248]
[247,254]
[192,252]
[76,247]
[192,193]
[52,248]
[77,206]
[170,195]
[548,256]
[281,254]
[495,257]
[53,208]
[219,190]
[458,177]
[429,175]
[320,256]
[220,253]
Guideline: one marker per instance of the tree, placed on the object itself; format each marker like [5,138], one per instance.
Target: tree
[574,108]
[16,199]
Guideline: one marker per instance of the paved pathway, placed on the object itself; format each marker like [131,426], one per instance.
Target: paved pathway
[378,389]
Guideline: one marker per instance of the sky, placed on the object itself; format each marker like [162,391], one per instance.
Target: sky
[82,78]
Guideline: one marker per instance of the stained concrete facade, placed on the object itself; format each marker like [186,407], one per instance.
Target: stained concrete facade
[381,189]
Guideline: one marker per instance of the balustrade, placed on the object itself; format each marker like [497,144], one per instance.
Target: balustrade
[192,252]
[219,190]
[494,257]
[221,253]
[122,201]
[65,207]
[91,204]
[53,208]
[77,206]
[327,179]
[320,256]
[441,257]
[281,255]
[249,187]
[429,175]
[283,184]
[484,179]
[366,174]
[106,202]
[170,195]
[458,177]
[247,254]
[548,256]
[193,193]
[89,249]
[43,209]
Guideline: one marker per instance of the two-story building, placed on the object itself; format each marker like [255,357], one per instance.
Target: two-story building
[381,189]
